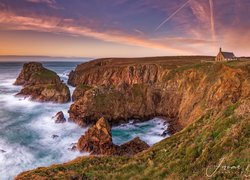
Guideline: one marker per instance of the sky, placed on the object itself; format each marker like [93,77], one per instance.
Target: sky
[124,28]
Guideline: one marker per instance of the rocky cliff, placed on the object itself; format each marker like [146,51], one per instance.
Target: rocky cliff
[119,71]
[41,84]
[141,91]
[210,102]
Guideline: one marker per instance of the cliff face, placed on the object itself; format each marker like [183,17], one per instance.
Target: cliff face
[118,76]
[41,84]
[141,91]
[127,70]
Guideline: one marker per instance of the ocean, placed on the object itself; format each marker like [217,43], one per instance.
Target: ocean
[26,127]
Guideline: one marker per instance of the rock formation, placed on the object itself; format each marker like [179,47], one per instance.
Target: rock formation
[2,151]
[98,140]
[59,117]
[54,136]
[41,84]
[120,92]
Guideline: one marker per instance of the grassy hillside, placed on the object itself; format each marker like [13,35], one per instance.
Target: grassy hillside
[215,145]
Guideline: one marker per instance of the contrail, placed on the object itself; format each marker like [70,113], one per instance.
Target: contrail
[212,19]
[172,15]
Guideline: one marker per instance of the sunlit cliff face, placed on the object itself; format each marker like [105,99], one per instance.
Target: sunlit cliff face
[100,28]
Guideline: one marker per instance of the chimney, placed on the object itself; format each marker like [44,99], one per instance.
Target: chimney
[220,49]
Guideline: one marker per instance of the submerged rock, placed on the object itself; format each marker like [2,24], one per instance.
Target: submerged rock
[59,117]
[41,84]
[2,151]
[54,136]
[98,140]
[73,147]
[165,133]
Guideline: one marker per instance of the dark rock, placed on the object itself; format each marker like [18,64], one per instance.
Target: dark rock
[59,117]
[165,133]
[54,136]
[73,147]
[2,151]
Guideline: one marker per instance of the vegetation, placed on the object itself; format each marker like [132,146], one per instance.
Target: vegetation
[45,74]
[195,152]
[106,99]
[84,87]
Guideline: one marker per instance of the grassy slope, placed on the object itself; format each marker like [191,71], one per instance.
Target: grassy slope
[198,148]
[186,154]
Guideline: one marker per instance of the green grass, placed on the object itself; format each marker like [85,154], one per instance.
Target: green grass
[45,74]
[84,87]
[186,154]
[107,100]
[199,66]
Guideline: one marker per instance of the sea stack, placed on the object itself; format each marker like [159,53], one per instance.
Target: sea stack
[41,84]
[98,141]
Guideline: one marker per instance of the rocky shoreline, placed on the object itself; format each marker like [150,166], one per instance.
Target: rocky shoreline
[140,91]
[193,97]
[41,84]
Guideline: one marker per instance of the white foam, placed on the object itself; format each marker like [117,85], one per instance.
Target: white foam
[64,74]
[7,83]
[67,133]
[17,103]
[149,131]
[14,160]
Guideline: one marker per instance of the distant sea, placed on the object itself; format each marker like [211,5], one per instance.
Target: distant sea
[26,127]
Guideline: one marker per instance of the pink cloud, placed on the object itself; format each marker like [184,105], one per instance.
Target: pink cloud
[50,3]
[57,25]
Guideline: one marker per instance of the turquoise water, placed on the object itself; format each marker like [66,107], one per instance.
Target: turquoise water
[26,127]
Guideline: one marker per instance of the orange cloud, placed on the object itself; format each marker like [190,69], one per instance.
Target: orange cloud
[57,25]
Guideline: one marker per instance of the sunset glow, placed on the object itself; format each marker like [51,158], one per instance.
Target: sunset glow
[125,28]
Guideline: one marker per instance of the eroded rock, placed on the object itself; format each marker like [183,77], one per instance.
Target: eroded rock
[121,92]
[41,84]
[59,117]
[98,140]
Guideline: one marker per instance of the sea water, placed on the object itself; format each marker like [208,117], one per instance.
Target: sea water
[27,128]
